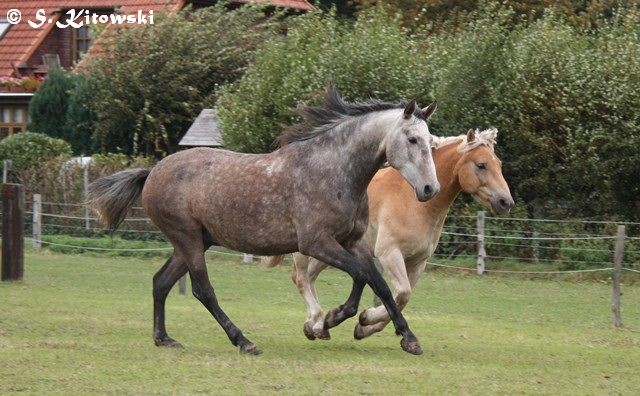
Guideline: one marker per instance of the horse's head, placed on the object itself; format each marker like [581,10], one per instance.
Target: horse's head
[408,150]
[479,172]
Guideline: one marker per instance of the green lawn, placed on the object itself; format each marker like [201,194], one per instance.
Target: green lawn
[82,324]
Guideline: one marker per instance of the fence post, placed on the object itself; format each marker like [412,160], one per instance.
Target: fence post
[481,252]
[618,254]
[182,285]
[535,246]
[12,232]
[247,258]
[6,165]
[85,177]
[37,221]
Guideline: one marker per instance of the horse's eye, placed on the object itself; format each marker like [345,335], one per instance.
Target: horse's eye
[413,140]
[482,166]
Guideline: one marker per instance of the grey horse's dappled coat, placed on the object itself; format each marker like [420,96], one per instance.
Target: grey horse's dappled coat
[307,196]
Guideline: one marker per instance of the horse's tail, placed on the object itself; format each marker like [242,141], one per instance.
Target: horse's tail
[112,196]
[272,261]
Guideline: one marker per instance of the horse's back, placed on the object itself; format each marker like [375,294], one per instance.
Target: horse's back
[236,197]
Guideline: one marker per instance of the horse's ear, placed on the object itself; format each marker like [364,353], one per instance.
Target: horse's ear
[429,110]
[471,135]
[409,109]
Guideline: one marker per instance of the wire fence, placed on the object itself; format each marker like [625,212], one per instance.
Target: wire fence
[539,246]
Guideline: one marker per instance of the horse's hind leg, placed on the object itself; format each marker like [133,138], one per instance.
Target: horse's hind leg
[163,281]
[203,291]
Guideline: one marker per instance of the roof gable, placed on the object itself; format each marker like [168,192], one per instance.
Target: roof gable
[204,131]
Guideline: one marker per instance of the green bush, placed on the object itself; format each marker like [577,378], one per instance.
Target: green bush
[28,149]
[566,99]
[59,180]
[374,57]
[155,79]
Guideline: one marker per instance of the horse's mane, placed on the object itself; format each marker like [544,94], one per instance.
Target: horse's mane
[486,138]
[333,111]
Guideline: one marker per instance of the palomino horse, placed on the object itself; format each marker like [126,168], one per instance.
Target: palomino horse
[403,233]
[308,196]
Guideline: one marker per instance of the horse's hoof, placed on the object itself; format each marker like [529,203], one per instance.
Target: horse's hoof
[362,319]
[358,332]
[331,319]
[167,342]
[250,349]
[413,347]
[322,334]
[308,331]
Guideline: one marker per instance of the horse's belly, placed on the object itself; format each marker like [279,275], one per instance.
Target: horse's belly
[265,231]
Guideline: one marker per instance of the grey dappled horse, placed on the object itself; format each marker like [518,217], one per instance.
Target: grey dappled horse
[310,196]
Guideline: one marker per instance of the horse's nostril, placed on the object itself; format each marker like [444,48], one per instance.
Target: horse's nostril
[428,190]
[503,204]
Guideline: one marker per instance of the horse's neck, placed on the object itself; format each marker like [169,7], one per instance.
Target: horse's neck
[445,160]
[356,152]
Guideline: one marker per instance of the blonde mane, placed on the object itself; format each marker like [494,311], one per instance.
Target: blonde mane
[486,138]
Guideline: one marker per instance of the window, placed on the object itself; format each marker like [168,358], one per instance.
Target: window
[13,119]
[82,40]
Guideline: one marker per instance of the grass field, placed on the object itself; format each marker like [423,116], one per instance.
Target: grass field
[80,324]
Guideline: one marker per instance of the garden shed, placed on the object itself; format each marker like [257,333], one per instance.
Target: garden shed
[204,132]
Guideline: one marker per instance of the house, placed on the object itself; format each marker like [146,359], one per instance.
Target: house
[30,45]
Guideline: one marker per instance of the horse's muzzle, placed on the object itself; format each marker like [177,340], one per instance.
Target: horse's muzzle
[502,204]
[428,191]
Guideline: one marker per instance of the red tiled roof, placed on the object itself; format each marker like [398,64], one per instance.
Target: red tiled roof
[21,40]
[299,4]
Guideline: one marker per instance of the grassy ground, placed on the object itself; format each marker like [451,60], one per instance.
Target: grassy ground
[81,324]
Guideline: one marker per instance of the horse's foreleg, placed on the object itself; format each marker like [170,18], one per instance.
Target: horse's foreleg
[393,264]
[163,281]
[360,267]
[329,251]
[409,341]
[305,272]
[404,279]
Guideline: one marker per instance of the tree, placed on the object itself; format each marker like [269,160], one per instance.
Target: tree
[59,109]
[568,140]
[80,118]
[48,107]
[374,57]
[152,81]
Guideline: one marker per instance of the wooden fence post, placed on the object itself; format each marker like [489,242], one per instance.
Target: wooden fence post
[535,246]
[617,268]
[12,232]
[37,221]
[481,252]
[85,178]
[6,165]
[247,258]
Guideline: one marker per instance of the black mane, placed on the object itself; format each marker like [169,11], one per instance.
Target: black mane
[333,110]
